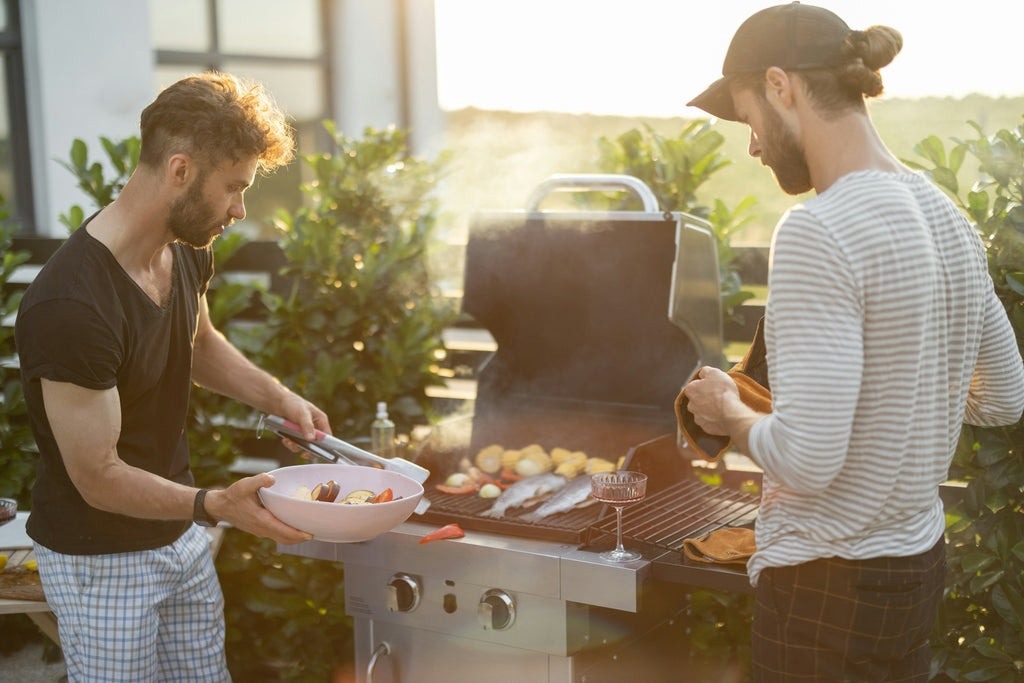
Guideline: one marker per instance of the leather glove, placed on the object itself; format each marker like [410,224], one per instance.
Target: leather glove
[751,377]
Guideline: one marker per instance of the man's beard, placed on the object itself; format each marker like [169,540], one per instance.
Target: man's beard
[783,154]
[192,221]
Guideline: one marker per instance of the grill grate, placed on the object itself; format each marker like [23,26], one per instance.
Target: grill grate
[565,527]
[686,509]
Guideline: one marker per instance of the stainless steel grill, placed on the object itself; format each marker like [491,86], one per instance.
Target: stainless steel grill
[599,319]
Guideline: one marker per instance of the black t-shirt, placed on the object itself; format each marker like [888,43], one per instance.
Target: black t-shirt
[85,320]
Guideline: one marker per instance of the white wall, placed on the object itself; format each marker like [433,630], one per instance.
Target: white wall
[426,118]
[88,73]
[368,73]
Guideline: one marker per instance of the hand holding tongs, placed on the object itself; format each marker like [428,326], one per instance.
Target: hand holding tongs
[333,449]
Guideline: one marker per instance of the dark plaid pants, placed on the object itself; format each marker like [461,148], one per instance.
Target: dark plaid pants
[848,620]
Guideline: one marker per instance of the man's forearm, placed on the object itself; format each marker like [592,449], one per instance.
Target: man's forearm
[121,488]
[219,366]
[738,419]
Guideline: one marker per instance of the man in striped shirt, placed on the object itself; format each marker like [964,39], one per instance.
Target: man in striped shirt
[883,335]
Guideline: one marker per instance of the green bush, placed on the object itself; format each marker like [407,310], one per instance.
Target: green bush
[17,446]
[980,634]
[362,322]
[123,155]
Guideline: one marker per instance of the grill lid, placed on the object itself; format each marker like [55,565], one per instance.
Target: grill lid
[587,307]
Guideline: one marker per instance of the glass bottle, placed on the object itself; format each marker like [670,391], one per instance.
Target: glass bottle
[382,433]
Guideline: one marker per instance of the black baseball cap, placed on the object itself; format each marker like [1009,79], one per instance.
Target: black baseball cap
[793,36]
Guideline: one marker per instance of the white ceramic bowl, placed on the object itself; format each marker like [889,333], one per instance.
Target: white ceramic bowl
[333,521]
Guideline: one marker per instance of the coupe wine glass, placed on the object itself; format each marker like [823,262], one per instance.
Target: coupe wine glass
[619,489]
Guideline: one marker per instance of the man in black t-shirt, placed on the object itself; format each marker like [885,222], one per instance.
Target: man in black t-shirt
[110,336]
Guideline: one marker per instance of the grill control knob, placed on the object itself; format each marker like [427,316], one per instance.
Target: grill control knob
[403,593]
[496,610]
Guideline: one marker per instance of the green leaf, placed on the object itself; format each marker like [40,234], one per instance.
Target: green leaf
[1015,281]
[956,157]
[987,648]
[1016,217]
[1018,551]
[946,179]
[1009,604]
[985,672]
[975,562]
[977,204]
[79,154]
[983,582]
[931,148]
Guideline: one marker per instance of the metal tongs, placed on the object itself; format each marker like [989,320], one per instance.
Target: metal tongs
[333,449]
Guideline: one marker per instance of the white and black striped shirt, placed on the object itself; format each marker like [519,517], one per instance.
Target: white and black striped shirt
[883,336]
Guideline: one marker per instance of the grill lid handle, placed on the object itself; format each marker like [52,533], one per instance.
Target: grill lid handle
[593,182]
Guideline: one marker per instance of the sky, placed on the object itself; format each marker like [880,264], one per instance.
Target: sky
[649,57]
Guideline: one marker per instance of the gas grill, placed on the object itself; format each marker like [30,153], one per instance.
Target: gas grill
[599,318]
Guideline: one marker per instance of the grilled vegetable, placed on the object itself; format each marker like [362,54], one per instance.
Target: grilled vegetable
[560,455]
[571,468]
[456,490]
[509,459]
[447,531]
[358,497]
[596,465]
[527,467]
[327,492]
[490,491]
[384,496]
[489,459]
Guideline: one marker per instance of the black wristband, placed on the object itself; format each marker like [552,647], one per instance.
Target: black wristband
[199,515]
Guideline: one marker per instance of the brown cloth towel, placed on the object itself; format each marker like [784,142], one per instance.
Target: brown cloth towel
[751,377]
[729,545]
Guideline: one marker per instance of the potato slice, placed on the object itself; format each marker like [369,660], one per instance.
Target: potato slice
[489,459]
[509,459]
[596,465]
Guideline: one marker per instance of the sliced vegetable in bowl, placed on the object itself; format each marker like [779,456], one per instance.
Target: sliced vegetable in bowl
[380,500]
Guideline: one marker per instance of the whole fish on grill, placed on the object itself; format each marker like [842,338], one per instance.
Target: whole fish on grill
[524,490]
[575,494]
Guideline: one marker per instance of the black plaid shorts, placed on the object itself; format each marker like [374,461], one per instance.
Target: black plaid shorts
[848,620]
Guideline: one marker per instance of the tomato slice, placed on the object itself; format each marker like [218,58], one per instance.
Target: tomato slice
[447,531]
[384,496]
[510,476]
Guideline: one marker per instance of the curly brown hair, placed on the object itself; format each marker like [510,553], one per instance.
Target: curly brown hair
[216,117]
[845,86]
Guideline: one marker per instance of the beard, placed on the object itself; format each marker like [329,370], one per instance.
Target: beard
[192,220]
[783,154]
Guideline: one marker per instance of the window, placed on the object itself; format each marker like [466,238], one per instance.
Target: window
[15,175]
[282,45]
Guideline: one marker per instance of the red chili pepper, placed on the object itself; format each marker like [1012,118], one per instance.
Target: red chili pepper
[457,490]
[384,496]
[447,531]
